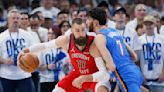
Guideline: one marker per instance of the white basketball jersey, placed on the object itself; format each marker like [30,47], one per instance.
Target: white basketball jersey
[152,55]
[11,43]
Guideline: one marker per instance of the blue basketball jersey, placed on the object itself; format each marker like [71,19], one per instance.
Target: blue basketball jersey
[125,66]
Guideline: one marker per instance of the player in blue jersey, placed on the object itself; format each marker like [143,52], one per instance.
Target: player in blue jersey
[116,53]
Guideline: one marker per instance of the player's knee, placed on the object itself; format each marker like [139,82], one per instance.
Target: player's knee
[102,89]
[58,89]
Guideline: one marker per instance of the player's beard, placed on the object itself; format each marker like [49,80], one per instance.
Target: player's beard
[82,41]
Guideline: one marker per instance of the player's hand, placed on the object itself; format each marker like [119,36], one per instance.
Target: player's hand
[77,82]
[19,55]
[51,66]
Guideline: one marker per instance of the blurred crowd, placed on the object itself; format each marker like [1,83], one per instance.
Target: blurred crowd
[140,22]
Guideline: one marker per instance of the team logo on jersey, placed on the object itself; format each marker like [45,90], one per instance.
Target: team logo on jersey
[79,55]
[73,50]
[86,52]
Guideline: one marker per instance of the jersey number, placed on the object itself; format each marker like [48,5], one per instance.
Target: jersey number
[81,64]
[120,47]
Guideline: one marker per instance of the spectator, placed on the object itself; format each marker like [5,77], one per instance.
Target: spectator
[12,41]
[35,4]
[64,26]
[112,6]
[24,6]
[86,4]
[56,31]
[140,13]
[82,13]
[151,59]
[41,32]
[56,4]
[62,16]
[24,23]
[47,5]
[64,5]
[73,7]
[40,14]
[73,14]
[140,29]
[48,22]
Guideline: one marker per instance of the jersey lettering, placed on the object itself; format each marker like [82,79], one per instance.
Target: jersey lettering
[14,47]
[152,52]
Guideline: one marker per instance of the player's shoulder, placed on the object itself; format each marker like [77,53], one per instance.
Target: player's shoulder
[64,38]
[99,37]
[94,50]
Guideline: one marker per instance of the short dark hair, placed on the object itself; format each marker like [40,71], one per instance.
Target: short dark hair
[98,14]
[162,18]
[81,9]
[63,12]
[77,21]
[24,13]
[62,23]
[34,16]
[103,4]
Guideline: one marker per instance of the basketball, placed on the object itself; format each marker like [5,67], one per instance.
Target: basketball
[28,62]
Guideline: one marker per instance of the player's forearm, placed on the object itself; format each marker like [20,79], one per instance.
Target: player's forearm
[96,77]
[131,52]
[102,73]
[87,78]
[42,46]
[100,76]
[108,61]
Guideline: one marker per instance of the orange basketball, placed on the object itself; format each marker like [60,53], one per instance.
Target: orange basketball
[28,62]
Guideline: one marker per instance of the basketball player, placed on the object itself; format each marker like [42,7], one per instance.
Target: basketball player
[85,58]
[113,50]
[12,41]
[152,56]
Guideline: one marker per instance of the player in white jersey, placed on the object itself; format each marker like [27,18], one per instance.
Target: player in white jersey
[12,41]
[152,56]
